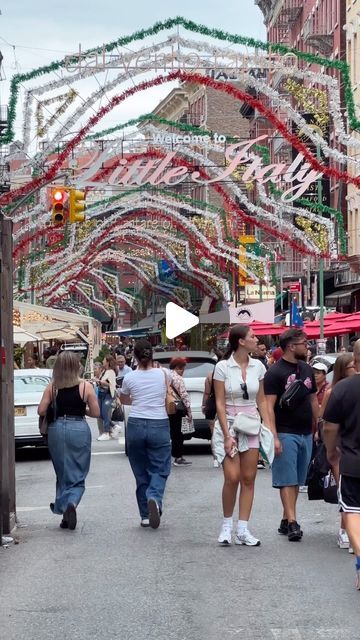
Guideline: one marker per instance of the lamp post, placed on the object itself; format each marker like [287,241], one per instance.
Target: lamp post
[321,263]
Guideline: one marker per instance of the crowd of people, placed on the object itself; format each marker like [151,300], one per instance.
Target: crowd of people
[275,404]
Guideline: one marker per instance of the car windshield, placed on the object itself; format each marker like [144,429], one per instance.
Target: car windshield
[30,384]
[195,369]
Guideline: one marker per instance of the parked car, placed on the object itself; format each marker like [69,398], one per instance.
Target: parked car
[199,364]
[29,386]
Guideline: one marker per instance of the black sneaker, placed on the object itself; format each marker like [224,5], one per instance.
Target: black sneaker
[283,529]
[181,462]
[154,513]
[70,516]
[294,532]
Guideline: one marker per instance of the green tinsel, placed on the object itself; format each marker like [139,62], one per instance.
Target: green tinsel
[341,65]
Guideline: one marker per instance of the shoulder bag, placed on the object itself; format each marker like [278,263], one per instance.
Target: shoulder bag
[294,394]
[210,404]
[170,405]
[180,407]
[243,422]
[50,415]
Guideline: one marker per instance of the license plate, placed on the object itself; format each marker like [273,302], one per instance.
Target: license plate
[20,411]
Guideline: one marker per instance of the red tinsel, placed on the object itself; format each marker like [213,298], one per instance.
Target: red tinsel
[185,77]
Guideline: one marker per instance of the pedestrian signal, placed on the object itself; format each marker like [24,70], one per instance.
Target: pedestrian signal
[58,205]
[77,206]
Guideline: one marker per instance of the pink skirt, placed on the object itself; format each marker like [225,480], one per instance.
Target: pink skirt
[250,410]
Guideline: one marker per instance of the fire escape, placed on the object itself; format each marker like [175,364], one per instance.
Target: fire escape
[4,165]
[316,36]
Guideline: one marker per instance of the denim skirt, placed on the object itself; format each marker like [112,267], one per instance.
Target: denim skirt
[69,442]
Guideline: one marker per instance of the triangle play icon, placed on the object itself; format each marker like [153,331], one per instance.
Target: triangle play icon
[178,320]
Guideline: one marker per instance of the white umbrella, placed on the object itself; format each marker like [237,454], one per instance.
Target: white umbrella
[21,336]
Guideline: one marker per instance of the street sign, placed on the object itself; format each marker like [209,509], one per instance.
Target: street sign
[295,287]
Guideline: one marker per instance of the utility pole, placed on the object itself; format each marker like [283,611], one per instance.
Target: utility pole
[321,263]
[7,436]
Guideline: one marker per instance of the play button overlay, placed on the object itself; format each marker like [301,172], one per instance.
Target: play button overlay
[178,320]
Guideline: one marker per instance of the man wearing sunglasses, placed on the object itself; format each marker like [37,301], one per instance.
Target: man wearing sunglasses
[290,391]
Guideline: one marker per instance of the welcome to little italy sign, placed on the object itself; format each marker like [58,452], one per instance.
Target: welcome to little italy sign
[294,178]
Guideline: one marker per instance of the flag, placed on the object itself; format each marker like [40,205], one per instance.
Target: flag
[296,319]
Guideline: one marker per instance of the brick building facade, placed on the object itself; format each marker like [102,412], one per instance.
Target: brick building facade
[317,27]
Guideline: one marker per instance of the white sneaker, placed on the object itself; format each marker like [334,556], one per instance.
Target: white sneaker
[303,489]
[351,550]
[216,464]
[343,541]
[115,432]
[246,538]
[104,436]
[145,522]
[225,536]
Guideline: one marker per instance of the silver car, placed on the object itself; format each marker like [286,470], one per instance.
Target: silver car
[29,386]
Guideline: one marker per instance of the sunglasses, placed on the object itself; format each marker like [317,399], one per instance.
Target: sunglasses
[243,387]
[304,342]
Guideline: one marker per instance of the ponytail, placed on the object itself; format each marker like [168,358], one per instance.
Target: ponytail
[237,332]
[143,352]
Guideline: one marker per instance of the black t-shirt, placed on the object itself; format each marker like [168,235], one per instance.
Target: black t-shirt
[343,408]
[276,381]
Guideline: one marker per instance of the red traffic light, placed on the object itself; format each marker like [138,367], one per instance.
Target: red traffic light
[58,196]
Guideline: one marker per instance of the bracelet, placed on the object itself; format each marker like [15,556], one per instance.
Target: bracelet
[227,437]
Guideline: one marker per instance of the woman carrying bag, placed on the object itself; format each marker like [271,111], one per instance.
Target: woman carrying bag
[69,436]
[239,392]
[148,435]
[106,387]
[177,368]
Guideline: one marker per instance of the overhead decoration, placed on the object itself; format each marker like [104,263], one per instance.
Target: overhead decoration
[138,221]
[66,99]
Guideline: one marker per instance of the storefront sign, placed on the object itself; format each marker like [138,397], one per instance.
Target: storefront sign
[254,292]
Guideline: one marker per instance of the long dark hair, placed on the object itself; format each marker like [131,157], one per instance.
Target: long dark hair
[143,352]
[341,363]
[239,331]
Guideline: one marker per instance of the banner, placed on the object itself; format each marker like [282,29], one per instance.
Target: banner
[245,313]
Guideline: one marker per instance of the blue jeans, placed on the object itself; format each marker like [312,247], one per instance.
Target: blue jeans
[290,468]
[105,404]
[69,442]
[149,451]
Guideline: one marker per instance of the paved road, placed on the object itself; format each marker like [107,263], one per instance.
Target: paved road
[111,579]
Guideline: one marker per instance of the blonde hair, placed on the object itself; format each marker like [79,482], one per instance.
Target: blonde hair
[66,372]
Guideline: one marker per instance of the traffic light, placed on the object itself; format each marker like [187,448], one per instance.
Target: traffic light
[58,195]
[77,206]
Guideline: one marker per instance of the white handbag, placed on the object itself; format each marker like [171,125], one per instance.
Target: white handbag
[247,424]
[243,423]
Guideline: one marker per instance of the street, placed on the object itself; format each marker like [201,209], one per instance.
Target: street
[111,579]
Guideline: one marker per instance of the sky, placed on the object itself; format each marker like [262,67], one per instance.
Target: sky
[36,32]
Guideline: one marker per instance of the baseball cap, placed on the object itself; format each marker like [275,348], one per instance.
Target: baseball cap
[320,366]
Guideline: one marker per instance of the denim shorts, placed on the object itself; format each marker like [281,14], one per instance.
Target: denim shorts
[291,467]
